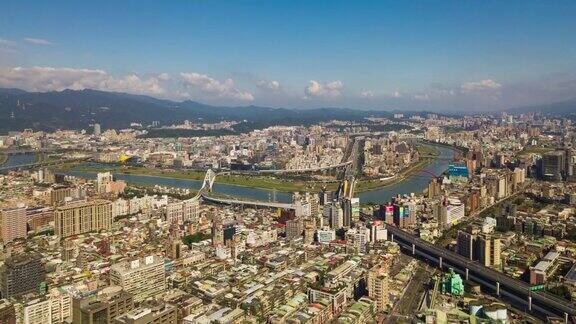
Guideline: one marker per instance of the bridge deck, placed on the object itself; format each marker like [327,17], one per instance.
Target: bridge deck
[255,203]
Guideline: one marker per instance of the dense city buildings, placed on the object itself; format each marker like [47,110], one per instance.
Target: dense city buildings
[287,162]
[259,228]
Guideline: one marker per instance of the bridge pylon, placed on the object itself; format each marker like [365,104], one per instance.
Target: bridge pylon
[208,181]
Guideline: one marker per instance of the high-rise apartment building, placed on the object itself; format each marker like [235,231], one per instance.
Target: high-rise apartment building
[465,244]
[37,311]
[174,212]
[217,231]
[97,129]
[480,247]
[59,194]
[141,278]
[346,213]
[13,223]
[309,230]
[190,210]
[336,215]
[150,313]
[82,217]
[102,307]
[294,228]
[489,249]
[378,285]
[7,312]
[552,166]
[102,181]
[60,305]
[21,274]
[434,188]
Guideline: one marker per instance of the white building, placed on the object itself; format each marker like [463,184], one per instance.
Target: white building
[141,278]
[257,238]
[37,311]
[326,235]
[454,211]
[102,180]
[174,212]
[60,305]
[378,232]
[120,207]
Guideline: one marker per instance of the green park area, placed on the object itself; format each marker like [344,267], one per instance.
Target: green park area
[253,181]
[283,184]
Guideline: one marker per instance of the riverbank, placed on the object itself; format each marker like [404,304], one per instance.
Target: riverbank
[426,150]
[260,182]
[369,185]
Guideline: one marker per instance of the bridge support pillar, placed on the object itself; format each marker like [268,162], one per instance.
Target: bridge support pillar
[497,288]
[392,237]
[566,318]
[466,274]
[413,248]
[530,303]
[440,262]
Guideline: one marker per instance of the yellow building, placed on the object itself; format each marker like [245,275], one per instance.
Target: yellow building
[82,217]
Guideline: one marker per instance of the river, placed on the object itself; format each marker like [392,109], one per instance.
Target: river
[16,160]
[413,184]
[416,183]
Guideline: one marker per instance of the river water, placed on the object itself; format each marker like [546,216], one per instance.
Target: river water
[416,183]
[16,160]
[413,184]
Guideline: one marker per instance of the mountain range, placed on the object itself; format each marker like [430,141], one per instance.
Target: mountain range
[560,108]
[79,109]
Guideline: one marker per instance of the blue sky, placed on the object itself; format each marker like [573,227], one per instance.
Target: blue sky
[452,55]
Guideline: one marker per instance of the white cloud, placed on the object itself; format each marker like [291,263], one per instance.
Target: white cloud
[211,86]
[37,41]
[58,79]
[268,85]
[7,42]
[482,85]
[328,90]
[367,94]
[164,76]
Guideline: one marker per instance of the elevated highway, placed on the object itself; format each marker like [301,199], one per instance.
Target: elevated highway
[514,291]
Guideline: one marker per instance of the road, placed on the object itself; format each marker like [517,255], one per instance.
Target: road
[409,303]
[514,291]
[255,203]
